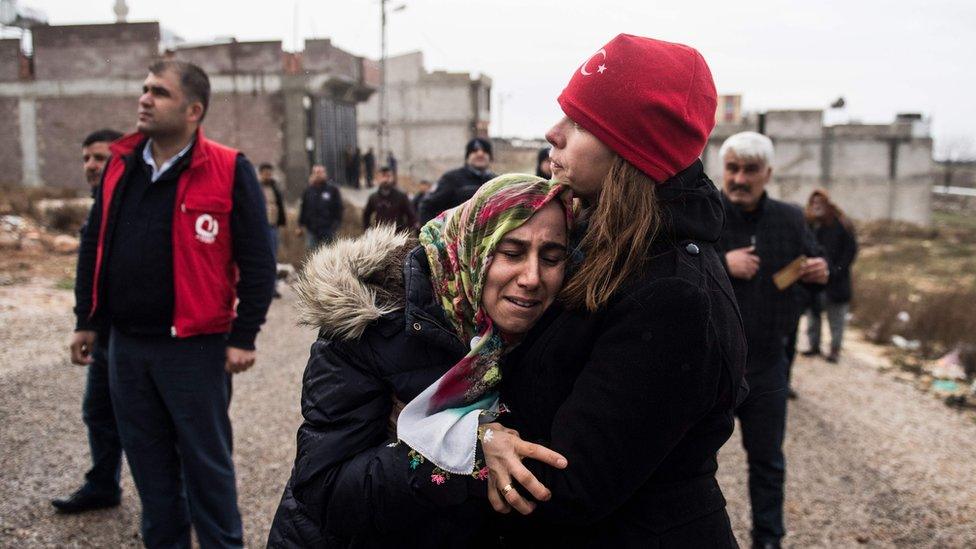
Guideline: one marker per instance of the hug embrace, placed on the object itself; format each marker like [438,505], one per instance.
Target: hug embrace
[552,363]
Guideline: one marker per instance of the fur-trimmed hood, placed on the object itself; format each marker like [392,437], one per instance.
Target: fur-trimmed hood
[349,283]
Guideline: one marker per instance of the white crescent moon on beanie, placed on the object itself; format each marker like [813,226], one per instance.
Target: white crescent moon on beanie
[600,69]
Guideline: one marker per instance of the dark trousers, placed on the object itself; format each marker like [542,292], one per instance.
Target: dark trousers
[791,352]
[103,434]
[273,233]
[763,419]
[171,398]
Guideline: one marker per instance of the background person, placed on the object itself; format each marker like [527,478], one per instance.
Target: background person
[543,165]
[321,211]
[101,488]
[761,237]
[422,189]
[369,166]
[177,264]
[277,217]
[456,186]
[836,235]
[388,205]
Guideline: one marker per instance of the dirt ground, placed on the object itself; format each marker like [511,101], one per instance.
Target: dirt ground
[871,460]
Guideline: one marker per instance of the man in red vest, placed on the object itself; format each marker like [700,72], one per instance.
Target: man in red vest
[177,237]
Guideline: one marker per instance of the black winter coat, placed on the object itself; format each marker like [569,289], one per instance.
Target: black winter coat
[840,246]
[453,188]
[638,397]
[347,396]
[321,210]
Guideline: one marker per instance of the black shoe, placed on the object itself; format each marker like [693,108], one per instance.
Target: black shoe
[811,352]
[832,358]
[85,500]
[791,394]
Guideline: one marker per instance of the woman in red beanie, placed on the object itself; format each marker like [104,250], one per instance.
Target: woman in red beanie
[634,378]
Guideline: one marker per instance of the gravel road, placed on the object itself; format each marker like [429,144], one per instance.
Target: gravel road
[871,461]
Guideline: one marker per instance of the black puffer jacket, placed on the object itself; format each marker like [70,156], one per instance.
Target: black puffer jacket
[364,357]
[453,188]
[638,396]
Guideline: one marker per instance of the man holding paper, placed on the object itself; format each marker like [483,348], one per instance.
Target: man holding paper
[769,253]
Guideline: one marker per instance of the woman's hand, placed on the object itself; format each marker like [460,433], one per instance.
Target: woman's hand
[504,451]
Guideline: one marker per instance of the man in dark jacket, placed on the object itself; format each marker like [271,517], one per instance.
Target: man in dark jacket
[389,205]
[836,235]
[456,186]
[422,189]
[176,264]
[762,236]
[369,166]
[101,488]
[321,210]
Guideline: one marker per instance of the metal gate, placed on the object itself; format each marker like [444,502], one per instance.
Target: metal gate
[335,130]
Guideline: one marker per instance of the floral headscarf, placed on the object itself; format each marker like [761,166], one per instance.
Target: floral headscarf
[441,423]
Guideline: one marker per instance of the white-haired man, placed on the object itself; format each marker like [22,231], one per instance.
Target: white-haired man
[761,237]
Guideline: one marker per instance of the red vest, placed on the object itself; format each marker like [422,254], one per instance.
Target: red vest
[204,272]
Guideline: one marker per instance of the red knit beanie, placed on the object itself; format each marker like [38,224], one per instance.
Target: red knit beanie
[652,102]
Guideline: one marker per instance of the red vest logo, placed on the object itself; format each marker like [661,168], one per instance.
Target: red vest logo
[207,229]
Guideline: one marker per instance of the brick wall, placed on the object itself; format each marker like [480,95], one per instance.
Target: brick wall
[9,59]
[10,161]
[66,52]
[62,124]
[249,123]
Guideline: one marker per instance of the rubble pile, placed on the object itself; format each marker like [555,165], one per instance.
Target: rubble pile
[23,233]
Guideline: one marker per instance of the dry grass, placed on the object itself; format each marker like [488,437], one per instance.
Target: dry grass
[928,273]
[291,247]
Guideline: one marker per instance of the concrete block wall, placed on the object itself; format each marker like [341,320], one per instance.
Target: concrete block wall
[322,57]
[873,171]
[67,52]
[431,116]
[11,161]
[235,57]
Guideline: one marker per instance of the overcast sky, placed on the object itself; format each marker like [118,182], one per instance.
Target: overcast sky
[882,56]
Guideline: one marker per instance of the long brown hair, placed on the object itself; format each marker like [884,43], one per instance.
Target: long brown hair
[621,228]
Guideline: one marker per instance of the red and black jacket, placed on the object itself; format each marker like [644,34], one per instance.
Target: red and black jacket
[218,184]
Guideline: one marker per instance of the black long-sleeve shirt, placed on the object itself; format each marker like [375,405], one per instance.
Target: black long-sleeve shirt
[136,292]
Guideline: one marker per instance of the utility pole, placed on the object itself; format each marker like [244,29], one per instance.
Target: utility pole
[381,129]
